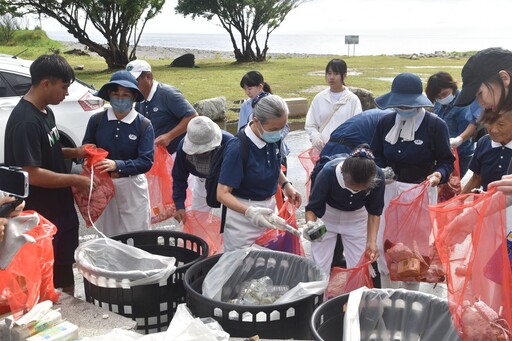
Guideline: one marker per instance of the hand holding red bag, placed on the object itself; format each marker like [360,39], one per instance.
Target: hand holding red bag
[91,205]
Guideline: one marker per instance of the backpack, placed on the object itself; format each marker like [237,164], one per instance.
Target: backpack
[212,180]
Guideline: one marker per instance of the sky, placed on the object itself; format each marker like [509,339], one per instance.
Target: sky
[360,17]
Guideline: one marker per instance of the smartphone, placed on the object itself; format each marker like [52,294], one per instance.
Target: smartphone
[14,181]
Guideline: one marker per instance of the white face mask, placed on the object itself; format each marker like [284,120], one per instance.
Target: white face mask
[447,100]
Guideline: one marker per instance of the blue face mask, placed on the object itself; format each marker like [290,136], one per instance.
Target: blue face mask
[407,113]
[121,105]
[270,136]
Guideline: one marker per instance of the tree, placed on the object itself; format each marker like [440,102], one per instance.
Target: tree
[116,20]
[8,25]
[248,18]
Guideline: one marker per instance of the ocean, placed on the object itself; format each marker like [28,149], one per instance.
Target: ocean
[369,44]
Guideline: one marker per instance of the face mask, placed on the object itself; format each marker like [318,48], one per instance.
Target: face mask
[270,136]
[406,113]
[121,105]
[447,100]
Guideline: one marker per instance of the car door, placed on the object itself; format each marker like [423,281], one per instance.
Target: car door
[12,87]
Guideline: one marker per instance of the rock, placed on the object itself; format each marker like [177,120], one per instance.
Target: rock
[79,67]
[365,96]
[186,60]
[214,108]
[77,52]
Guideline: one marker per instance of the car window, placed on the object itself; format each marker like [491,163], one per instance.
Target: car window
[19,84]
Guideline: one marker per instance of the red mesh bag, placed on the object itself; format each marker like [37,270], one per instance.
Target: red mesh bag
[207,227]
[160,186]
[409,247]
[29,277]
[308,159]
[469,232]
[280,240]
[452,187]
[343,280]
[102,191]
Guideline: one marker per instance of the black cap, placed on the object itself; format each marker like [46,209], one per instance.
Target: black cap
[480,67]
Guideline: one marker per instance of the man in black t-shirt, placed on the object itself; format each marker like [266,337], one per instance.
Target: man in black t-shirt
[32,142]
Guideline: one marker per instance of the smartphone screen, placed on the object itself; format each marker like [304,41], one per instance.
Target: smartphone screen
[14,181]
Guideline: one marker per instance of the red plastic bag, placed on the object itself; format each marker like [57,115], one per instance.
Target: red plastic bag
[343,280]
[29,277]
[308,159]
[409,247]
[103,189]
[207,227]
[469,232]
[160,186]
[280,240]
[452,187]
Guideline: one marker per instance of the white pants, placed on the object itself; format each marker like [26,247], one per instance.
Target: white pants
[392,191]
[353,228]
[239,232]
[198,189]
[129,209]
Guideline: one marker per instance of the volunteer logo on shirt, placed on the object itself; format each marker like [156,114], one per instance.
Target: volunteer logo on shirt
[53,136]
[132,137]
[418,142]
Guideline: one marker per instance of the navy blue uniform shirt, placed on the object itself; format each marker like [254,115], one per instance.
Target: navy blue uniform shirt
[166,108]
[490,160]
[327,190]
[257,180]
[132,153]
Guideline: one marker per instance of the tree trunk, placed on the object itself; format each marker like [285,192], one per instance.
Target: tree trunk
[115,57]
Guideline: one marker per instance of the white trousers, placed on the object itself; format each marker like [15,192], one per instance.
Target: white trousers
[353,228]
[392,191]
[129,209]
[240,232]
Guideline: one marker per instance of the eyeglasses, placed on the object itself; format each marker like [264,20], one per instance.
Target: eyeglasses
[257,99]
[363,152]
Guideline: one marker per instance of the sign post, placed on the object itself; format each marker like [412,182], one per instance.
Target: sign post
[352,40]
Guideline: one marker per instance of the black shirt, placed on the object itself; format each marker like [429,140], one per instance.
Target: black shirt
[32,139]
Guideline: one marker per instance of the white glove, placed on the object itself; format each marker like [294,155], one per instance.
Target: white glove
[456,141]
[308,227]
[260,216]
[317,142]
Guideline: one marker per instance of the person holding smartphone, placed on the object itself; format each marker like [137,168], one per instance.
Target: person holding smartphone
[32,142]
[16,212]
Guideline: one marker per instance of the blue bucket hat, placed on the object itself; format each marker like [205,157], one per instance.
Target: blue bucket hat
[406,91]
[124,79]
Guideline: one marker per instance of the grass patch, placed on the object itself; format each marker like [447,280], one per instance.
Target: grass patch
[288,76]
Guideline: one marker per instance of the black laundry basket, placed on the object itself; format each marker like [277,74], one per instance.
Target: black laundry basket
[288,320]
[428,314]
[153,305]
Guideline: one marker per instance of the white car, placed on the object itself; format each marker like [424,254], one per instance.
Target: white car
[71,115]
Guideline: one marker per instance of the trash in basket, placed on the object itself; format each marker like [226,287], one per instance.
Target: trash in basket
[152,306]
[383,315]
[288,317]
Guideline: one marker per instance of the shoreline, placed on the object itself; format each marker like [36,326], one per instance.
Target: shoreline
[164,53]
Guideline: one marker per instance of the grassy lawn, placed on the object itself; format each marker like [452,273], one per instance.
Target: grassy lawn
[288,76]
